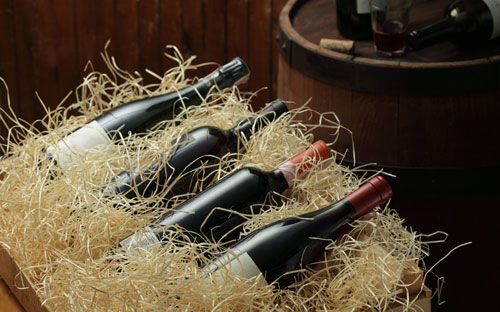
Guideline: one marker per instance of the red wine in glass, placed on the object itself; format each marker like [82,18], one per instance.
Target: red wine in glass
[390,39]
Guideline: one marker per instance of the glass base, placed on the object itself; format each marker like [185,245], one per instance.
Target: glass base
[396,53]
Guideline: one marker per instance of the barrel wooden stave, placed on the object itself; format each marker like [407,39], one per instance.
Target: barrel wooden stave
[437,110]
[402,112]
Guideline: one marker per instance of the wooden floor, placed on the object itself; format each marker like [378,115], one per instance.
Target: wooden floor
[8,302]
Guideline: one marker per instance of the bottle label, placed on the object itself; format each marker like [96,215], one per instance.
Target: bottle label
[70,149]
[362,6]
[141,240]
[494,6]
[241,265]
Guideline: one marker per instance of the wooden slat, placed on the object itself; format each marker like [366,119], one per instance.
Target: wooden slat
[7,59]
[323,98]
[44,54]
[193,21]
[374,120]
[170,28]
[192,26]
[259,22]
[125,34]
[237,31]
[277,5]
[86,32]
[68,73]
[105,26]
[149,45]
[22,24]
[215,30]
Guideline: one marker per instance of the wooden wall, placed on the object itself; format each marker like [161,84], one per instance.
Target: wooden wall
[45,44]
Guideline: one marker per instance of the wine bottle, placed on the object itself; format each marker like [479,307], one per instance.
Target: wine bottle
[277,252]
[203,145]
[354,19]
[140,115]
[467,23]
[246,190]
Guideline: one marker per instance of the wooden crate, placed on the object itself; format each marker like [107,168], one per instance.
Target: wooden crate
[8,302]
[19,286]
[22,295]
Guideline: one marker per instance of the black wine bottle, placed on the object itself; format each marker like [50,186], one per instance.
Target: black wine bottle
[467,23]
[277,252]
[245,190]
[354,19]
[140,115]
[203,145]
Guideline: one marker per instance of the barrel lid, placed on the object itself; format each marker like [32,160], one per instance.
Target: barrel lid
[439,69]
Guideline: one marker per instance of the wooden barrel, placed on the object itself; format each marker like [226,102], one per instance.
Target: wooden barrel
[432,117]
[437,109]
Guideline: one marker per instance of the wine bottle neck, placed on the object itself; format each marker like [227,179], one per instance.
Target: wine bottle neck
[198,90]
[288,170]
[232,73]
[283,176]
[341,211]
[280,181]
[249,126]
[372,193]
[291,171]
[298,166]
[432,33]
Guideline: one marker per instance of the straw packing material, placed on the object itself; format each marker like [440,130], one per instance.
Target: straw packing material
[63,232]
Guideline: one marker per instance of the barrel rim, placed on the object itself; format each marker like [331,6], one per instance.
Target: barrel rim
[409,75]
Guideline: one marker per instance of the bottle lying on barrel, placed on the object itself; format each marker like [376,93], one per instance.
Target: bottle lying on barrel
[212,214]
[354,19]
[203,145]
[276,253]
[140,115]
[466,22]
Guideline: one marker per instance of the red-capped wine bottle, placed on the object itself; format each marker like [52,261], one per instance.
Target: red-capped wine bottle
[354,19]
[206,214]
[140,115]
[203,145]
[276,252]
[467,22]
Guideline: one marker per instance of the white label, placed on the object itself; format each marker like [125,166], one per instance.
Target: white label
[141,240]
[241,265]
[494,6]
[363,6]
[70,149]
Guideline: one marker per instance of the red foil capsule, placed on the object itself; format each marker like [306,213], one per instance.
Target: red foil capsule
[298,165]
[373,192]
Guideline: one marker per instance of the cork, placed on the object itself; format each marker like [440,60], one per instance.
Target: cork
[343,46]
